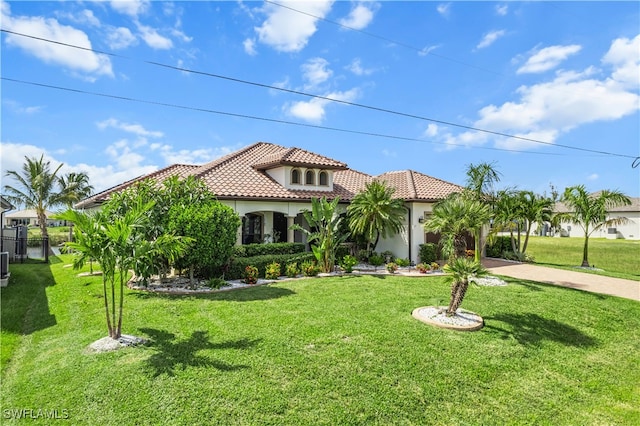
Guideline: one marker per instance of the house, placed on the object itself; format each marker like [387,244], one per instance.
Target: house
[628,231]
[269,186]
[29,218]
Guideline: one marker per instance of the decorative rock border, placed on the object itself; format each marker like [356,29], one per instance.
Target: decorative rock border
[462,321]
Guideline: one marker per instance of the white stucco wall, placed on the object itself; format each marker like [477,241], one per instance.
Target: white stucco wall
[628,231]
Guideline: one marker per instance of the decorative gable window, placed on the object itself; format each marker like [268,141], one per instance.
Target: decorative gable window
[309,178]
[323,179]
[295,176]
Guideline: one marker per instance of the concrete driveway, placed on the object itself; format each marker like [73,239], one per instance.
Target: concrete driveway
[579,280]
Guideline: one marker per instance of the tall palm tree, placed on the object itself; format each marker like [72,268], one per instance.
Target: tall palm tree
[533,208]
[506,215]
[455,217]
[590,211]
[37,188]
[73,188]
[374,213]
[479,186]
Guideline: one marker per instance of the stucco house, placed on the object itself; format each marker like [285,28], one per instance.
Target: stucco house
[269,186]
[628,231]
[29,217]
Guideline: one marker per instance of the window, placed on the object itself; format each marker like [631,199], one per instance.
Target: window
[295,176]
[324,179]
[310,178]
[251,228]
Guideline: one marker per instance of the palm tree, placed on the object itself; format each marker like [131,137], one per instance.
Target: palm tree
[590,211]
[325,236]
[459,272]
[506,215]
[479,186]
[73,188]
[374,213]
[455,217]
[533,209]
[36,189]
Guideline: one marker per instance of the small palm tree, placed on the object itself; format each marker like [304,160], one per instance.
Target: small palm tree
[590,211]
[479,186]
[534,209]
[374,213]
[455,217]
[325,236]
[459,271]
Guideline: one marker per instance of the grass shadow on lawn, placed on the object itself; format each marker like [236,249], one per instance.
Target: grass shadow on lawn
[171,354]
[249,294]
[531,329]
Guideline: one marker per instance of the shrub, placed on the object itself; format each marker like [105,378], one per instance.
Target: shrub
[251,250]
[215,283]
[272,271]
[310,269]
[347,263]
[342,251]
[428,253]
[292,270]
[387,255]
[499,245]
[236,267]
[392,267]
[376,260]
[423,267]
[250,274]
[435,266]
[402,262]
[363,255]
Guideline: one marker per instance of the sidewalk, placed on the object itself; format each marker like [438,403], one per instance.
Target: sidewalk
[579,280]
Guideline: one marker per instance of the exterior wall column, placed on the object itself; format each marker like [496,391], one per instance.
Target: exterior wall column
[290,232]
[239,232]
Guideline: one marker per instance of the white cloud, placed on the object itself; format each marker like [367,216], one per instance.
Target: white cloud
[153,38]
[82,61]
[85,17]
[431,131]
[490,38]
[314,109]
[390,154]
[315,72]
[502,9]
[185,156]
[593,176]
[444,8]
[19,109]
[132,8]
[288,31]
[136,129]
[624,54]
[120,38]
[250,47]
[360,16]
[427,49]
[546,110]
[548,58]
[356,67]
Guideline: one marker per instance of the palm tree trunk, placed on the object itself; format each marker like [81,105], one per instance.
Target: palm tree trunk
[460,245]
[118,332]
[457,296]
[106,305]
[526,238]
[585,251]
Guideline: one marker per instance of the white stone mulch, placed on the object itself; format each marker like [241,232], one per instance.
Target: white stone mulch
[436,315]
[489,281]
[107,344]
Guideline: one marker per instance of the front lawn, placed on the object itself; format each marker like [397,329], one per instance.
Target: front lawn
[616,258]
[335,351]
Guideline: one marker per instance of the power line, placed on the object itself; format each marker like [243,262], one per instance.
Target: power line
[379,37]
[297,92]
[252,117]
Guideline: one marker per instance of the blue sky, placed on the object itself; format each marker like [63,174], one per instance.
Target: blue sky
[563,77]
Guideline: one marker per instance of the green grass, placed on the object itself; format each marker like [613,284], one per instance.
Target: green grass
[334,351]
[616,258]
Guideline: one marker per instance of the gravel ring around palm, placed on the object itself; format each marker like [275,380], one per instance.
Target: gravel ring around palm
[435,315]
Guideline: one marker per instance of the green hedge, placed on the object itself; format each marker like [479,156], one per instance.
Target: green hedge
[428,253]
[500,245]
[236,268]
[250,250]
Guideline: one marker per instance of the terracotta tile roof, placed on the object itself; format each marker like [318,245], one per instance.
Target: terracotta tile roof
[413,186]
[181,170]
[298,157]
[241,175]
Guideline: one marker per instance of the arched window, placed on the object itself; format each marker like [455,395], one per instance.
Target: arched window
[295,176]
[323,179]
[310,178]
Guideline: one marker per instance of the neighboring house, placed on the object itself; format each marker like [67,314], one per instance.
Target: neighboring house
[29,218]
[628,231]
[269,186]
